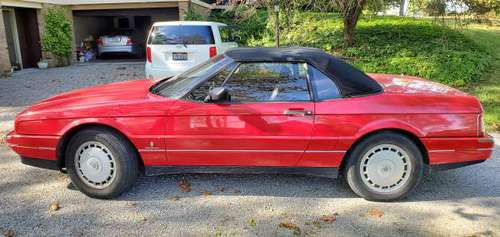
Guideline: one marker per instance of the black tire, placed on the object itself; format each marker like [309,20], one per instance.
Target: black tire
[126,162]
[352,169]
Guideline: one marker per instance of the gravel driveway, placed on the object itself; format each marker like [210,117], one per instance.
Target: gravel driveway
[36,202]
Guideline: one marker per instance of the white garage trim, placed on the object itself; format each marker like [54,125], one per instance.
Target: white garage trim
[13,3]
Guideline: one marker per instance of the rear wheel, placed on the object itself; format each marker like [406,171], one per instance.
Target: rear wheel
[101,163]
[384,167]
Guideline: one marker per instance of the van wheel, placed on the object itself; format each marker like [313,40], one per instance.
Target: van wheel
[101,163]
[384,167]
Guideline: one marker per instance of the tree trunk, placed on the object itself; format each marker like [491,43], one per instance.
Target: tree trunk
[403,7]
[348,33]
[351,10]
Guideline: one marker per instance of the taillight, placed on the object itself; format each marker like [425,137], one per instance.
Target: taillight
[98,41]
[148,55]
[212,51]
[481,130]
[130,41]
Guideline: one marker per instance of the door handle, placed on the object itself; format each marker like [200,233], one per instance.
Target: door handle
[297,112]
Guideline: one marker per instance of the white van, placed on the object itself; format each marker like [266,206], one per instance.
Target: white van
[175,46]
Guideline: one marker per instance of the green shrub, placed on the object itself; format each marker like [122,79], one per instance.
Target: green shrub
[192,15]
[57,37]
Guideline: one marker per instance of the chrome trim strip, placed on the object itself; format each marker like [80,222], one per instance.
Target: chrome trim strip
[152,150]
[441,151]
[486,140]
[34,147]
[275,151]
[486,149]
[35,136]
[326,151]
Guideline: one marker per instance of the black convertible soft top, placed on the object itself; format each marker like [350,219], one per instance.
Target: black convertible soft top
[351,81]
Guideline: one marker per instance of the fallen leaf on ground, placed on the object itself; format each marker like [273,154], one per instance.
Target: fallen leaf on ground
[206,193]
[375,213]
[54,206]
[253,224]
[9,233]
[143,219]
[329,218]
[185,185]
[174,198]
[131,204]
[290,226]
[317,224]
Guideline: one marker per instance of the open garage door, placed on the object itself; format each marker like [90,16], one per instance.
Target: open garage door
[117,34]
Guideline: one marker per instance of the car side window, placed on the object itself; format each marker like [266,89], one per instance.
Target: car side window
[201,92]
[324,88]
[265,82]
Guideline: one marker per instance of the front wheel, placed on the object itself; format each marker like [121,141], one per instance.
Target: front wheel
[101,163]
[384,167]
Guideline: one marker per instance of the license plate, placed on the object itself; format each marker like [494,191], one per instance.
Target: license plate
[180,56]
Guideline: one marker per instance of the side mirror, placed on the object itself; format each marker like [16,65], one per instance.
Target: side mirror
[218,94]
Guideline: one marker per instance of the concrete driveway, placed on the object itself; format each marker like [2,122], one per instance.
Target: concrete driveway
[36,202]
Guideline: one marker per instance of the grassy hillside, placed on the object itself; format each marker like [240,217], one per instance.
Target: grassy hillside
[487,88]
[394,45]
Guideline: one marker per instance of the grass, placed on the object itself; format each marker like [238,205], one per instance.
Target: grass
[487,88]
[396,45]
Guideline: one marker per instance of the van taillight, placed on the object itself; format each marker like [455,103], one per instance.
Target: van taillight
[98,41]
[130,41]
[148,55]
[212,51]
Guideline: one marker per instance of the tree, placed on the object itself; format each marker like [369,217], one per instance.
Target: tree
[351,11]
[482,7]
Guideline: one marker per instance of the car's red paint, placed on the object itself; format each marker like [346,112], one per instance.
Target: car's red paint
[444,120]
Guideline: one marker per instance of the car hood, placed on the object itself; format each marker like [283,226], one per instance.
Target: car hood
[103,100]
[414,85]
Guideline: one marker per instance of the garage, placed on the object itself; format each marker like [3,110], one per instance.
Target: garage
[96,29]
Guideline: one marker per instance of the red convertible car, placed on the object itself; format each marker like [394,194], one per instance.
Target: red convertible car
[257,110]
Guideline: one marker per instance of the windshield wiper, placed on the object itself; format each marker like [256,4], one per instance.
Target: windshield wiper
[159,85]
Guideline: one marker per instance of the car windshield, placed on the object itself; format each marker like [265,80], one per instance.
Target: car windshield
[181,84]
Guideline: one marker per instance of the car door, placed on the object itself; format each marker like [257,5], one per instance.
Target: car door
[267,122]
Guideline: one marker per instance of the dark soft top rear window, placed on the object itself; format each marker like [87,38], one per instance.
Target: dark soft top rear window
[183,34]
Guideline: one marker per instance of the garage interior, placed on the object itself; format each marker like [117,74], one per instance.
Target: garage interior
[89,25]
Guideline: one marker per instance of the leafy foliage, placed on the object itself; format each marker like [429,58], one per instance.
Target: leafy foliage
[57,36]
[192,15]
[390,45]
[248,24]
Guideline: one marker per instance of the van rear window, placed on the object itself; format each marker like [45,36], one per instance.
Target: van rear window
[181,35]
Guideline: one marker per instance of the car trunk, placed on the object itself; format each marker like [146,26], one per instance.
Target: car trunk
[179,45]
[117,40]
[164,56]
